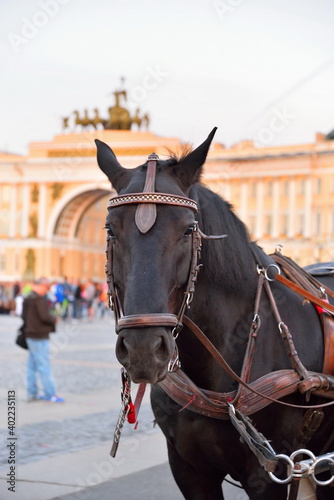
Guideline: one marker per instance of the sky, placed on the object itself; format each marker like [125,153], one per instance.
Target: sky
[259,70]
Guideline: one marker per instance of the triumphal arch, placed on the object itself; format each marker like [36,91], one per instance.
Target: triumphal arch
[53,203]
[53,200]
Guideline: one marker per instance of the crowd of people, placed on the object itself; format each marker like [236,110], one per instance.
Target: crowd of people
[67,299]
[41,304]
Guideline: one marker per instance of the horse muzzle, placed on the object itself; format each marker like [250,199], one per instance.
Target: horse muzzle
[145,351]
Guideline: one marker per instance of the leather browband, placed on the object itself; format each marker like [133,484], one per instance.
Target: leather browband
[159,198]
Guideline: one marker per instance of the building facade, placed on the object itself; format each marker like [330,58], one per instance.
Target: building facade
[53,201]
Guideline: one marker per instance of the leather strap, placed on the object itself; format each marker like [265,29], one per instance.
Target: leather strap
[138,400]
[218,357]
[146,214]
[143,320]
[299,275]
[304,293]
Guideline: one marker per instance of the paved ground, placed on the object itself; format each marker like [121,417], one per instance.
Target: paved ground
[62,450]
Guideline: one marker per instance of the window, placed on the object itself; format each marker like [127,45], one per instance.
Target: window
[331,228]
[252,223]
[252,189]
[318,185]
[4,222]
[2,262]
[268,223]
[318,223]
[302,186]
[4,193]
[284,223]
[17,263]
[301,223]
[285,188]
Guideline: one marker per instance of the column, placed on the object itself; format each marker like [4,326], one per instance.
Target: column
[13,211]
[276,214]
[243,201]
[25,210]
[292,208]
[307,230]
[41,211]
[259,209]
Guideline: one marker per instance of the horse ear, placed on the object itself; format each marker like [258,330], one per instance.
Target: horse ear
[189,169]
[108,163]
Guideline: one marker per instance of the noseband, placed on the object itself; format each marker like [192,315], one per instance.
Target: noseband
[145,217]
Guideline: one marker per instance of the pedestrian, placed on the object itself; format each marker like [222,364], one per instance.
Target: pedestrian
[89,294]
[77,305]
[38,324]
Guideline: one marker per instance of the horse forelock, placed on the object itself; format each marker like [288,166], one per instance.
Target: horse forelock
[166,182]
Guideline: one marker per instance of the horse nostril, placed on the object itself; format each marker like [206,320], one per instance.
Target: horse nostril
[122,352]
[161,348]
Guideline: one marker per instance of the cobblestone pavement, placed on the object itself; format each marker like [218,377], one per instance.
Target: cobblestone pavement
[49,435]
[83,356]
[83,361]
[87,374]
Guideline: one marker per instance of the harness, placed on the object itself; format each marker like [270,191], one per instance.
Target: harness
[249,397]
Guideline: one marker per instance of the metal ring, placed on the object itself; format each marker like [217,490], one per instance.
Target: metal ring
[317,481]
[303,451]
[259,269]
[175,332]
[289,478]
[189,299]
[266,271]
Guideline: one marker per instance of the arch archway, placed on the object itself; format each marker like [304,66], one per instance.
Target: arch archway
[77,241]
[70,208]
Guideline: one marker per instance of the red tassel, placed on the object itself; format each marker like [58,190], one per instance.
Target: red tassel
[131,414]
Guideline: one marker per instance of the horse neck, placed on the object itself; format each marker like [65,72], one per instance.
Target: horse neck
[225,317]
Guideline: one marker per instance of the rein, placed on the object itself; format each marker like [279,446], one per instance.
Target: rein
[145,218]
[250,397]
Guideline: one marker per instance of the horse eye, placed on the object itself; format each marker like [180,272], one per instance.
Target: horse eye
[109,231]
[189,230]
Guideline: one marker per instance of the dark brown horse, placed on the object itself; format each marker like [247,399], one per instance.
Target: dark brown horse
[150,270]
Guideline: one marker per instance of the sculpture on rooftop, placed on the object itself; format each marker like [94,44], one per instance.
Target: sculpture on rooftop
[118,118]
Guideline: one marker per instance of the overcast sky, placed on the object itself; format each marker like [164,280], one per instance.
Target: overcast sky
[257,69]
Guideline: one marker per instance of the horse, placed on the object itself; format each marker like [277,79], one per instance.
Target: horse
[153,225]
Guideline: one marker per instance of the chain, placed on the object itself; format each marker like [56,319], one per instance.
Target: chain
[125,407]
[307,468]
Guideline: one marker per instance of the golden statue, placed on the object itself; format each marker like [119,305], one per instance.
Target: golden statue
[146,120]
[136,119]
[119,117]
[65,123]
[29,272]
[57,189]
[34,194]
[33,225]
[97,119]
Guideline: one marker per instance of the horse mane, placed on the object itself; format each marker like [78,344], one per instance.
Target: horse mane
[228,262]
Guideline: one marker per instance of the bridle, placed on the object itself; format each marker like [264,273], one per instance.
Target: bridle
[145,217]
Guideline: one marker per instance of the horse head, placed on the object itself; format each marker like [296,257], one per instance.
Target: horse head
[150,264]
